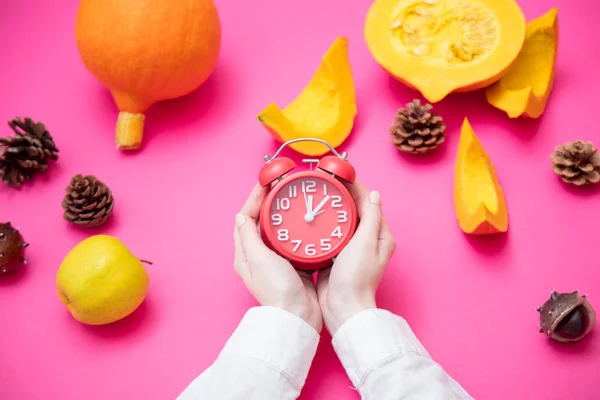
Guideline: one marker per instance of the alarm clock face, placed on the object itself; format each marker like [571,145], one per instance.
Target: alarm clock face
[311,217]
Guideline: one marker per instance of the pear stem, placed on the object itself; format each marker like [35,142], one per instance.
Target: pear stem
[146,262]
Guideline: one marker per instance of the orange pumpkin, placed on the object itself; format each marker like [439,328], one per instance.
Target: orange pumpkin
[478,196]
[444,46]
[145,51]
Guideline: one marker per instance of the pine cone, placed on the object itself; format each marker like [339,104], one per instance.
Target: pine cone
[26,153]
[416,129]
[577,163]
[88,201]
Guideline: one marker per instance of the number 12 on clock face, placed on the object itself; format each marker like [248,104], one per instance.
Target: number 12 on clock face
[311,217]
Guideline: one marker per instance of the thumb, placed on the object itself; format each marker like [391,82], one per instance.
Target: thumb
[323,281]
[250,239]
[370,220]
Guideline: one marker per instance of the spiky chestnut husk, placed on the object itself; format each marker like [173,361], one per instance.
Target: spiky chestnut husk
[566,317]
[12,249]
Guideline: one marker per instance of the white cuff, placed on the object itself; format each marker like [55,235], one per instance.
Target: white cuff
[370,337]
[277,337]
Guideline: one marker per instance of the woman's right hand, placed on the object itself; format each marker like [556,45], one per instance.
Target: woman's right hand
[349,286]
[271,279]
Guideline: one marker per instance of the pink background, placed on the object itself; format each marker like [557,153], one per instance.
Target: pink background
[470,300]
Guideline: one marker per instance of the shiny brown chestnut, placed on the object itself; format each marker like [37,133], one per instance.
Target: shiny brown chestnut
[566,317]
[12,249]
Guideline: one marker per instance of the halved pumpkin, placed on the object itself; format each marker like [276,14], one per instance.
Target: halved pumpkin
[442,46]
[478,197]
[325,109]
[525,88]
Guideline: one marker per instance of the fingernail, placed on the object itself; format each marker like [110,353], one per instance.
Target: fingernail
[375,197]
[240,219]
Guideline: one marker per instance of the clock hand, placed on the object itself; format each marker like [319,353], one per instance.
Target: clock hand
[306,202]
[320,205]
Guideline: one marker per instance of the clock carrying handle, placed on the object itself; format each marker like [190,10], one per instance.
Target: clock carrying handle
[343,156]
[276,167]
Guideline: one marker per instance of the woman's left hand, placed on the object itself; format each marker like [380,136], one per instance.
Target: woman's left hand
[270,278]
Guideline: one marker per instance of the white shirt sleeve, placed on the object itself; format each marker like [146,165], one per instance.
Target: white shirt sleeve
[385,361]
[267,358]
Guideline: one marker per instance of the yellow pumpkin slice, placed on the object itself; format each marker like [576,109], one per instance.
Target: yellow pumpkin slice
[478,197]
[442,46]
[525,88]
[325,109]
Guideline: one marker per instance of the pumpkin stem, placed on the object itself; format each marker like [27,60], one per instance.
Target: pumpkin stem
[130,130]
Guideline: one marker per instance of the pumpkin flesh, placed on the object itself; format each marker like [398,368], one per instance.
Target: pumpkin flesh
[478,197]
[442,46]
[325,109]
[525,88]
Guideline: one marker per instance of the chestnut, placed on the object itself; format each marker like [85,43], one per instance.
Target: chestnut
[12,249]
[566,317]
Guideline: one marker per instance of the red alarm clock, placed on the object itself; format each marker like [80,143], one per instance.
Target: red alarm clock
[308,217]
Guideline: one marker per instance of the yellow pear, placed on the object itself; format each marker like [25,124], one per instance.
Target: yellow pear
[100,281]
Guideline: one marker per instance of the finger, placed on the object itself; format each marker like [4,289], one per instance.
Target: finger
[305,274]
[370,222]
[386,244]
[252,244]
[360,194]
[240,264]
[238,249]
[307,279]
[323,280]
[252,206]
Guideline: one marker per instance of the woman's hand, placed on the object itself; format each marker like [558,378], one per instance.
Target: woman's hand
[349,286]
[271,279]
